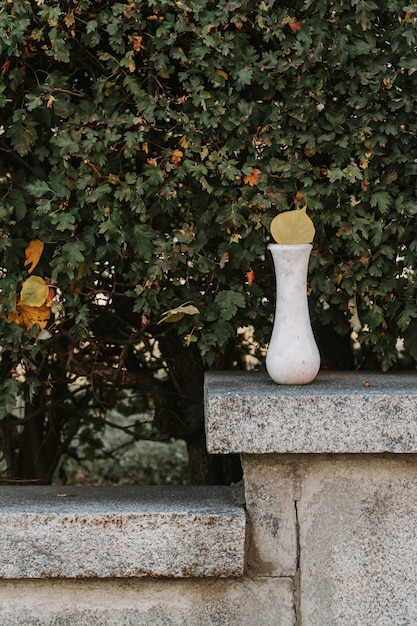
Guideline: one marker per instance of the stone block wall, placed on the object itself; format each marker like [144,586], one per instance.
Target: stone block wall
[330,474]
[325,534]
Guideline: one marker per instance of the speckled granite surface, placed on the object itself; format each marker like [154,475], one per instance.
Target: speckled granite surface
[340,412]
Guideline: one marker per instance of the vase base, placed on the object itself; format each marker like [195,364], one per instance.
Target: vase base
[283,374]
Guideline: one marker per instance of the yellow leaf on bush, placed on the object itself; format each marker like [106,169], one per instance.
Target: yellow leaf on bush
[34,292]
[252,178]
[33,253]
[69,19]
[224,75]
[293,227]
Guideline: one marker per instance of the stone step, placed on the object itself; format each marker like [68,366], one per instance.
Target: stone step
[107,532]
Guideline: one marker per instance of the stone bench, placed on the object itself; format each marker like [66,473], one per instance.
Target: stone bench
[113,532]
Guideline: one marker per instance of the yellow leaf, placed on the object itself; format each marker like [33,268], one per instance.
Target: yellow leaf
[33,253]
[132,67]
[293,227]
[174,315]
[69,19]
[190,338]
[50,102]
[253,177]
[34,292]
[225,75]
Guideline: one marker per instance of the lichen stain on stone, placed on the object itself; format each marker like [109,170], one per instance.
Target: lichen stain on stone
[271,522]
[118,521]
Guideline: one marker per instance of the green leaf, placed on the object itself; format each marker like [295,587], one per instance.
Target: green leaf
[381,199]
[9,391]
[67,258]
[23,135]
[229,302]
[38,188]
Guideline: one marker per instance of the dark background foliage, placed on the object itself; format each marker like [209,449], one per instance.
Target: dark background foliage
[148,145]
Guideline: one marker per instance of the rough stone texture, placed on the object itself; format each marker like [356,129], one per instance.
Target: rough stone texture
[358,548]
[271,492]
[344,527]
[338,412]
[147,602]
[67,532]
[334,503]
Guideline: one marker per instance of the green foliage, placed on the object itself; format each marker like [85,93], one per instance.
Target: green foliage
[149,144]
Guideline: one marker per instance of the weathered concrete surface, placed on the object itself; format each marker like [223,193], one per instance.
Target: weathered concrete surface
[271,493]
[358,541]
[67,532]
[147,602]
[344,527]
[339,412]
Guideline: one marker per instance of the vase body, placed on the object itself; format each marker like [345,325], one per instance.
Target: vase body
[292,357]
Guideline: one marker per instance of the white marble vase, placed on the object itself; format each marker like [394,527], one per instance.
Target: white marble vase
[292,357]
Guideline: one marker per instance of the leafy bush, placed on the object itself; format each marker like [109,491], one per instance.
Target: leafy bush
[144,149]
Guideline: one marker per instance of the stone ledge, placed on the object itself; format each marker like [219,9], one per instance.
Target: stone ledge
[148,602]
[78,532]
[340,412]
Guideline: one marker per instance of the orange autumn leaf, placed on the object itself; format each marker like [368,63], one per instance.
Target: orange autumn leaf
[5,67]
[33,253]
[176,157]
[34,305]
[252,178]
[250,277]
[295,26]
[299,198]
[137,43]
[28,316]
